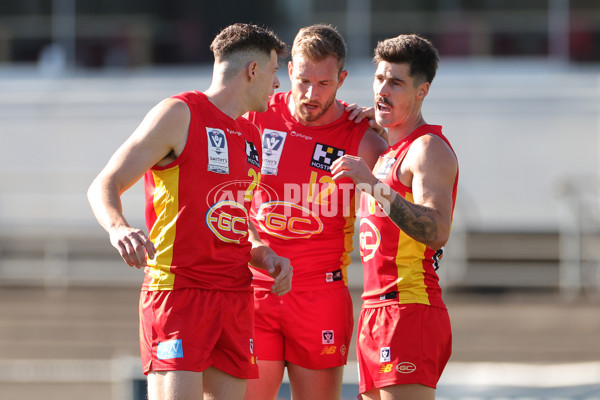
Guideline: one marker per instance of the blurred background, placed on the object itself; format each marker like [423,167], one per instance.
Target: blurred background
[518,94]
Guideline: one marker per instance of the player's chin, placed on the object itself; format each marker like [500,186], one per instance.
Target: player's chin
[261,107]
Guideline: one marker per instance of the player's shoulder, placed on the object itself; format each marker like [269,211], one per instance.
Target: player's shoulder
[431,148]
[373,141]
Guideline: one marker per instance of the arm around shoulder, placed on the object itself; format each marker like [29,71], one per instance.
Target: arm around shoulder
[371,146]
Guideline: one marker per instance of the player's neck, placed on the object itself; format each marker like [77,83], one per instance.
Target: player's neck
[226,97]
[400,132]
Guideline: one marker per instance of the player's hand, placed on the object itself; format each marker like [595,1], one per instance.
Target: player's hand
[133,245]
[357,114]
[355,168]
[280,269]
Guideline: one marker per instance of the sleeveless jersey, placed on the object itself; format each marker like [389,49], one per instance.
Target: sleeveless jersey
[397,268]
[299,210]
[197,206]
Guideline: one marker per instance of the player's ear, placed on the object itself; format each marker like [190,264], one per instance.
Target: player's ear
[422,90]
[251,70]
[342,77]
[290,68]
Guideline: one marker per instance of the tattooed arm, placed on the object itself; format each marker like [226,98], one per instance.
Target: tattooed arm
[429,168]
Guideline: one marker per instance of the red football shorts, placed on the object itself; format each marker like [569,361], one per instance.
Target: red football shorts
[402,344]
[310,329]
[193,329]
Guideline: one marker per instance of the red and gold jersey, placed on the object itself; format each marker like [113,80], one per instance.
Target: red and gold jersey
[397,268]
[197,206]
[299,210]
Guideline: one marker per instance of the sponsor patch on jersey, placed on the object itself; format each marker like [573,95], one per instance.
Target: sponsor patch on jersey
[333,276]
[328,337]
[385,165]
[385,354]
[437,257]
[251,346]
[169,349]
[218,154]
[324,155]
[272,144]
[252,154]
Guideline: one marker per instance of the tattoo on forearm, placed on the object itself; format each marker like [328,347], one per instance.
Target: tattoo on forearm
[415,220]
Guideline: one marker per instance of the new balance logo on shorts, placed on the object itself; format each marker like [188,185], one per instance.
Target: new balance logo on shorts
[169,349]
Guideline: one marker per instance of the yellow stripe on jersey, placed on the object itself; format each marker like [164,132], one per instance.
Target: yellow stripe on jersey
[411,273]
[166,207]
[348,236]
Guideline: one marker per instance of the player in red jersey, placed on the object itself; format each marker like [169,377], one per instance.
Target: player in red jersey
[404,337]
[301,213]
[201,162]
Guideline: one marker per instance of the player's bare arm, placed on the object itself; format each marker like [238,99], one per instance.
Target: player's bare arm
[158,140]
[429,168]
[279,268]
[371,146]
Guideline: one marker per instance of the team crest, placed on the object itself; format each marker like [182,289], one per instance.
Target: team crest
[218,154]
[324,156]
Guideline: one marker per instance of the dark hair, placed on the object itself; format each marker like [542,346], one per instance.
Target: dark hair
[412,49]
[244,37]
[320,41]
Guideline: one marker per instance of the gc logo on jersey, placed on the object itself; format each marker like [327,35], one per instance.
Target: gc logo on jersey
[385,165]
[369,239]
[252,154]
[288,220]
[228,220]
[272,144]
[218,154]
[324,156]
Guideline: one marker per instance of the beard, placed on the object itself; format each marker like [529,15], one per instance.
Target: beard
[315,114]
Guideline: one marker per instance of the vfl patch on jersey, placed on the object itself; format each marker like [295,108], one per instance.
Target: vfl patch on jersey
[169,349]
[252,154]
[384,168]
[218,154]
[328,337]
[386,354]
[324,156]
[272,144]
[251,346]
